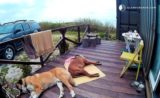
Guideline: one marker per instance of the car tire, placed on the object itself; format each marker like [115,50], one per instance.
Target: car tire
[9,52]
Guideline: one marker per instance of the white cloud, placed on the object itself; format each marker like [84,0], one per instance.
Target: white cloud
[2,11]
[62,10]
[67,10]
[10,1]
[27,2]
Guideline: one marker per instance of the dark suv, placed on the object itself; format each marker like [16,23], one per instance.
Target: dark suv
[14,30]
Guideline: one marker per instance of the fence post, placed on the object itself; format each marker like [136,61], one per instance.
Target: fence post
[63,44]
[88,29]
[42,61]
[79,35]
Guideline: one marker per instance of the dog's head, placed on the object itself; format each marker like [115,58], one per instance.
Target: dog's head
[21,85]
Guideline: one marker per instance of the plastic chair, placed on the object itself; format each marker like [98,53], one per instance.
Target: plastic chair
[135,57]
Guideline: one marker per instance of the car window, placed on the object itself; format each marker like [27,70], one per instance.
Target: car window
[34,25]
[6,28]
[19,27]
[26,26]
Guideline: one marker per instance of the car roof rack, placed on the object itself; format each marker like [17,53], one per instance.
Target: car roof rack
[16,21]
[19,20]
[7,23]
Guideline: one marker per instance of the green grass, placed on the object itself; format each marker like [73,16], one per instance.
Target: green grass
[70,34]
[95,26]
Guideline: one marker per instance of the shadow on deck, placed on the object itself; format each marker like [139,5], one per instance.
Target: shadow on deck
[110,86]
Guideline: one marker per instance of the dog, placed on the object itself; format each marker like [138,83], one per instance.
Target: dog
[75,65]
[37,83]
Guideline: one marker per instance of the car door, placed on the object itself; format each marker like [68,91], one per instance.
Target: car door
[27,28]
[18,32]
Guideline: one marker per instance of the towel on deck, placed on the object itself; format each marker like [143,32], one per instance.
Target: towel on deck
[38,44]
[90,69]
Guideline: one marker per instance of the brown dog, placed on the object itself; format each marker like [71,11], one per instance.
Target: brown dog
[75,65]
[37,83]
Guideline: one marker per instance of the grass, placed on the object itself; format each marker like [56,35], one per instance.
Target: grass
[70,34]
[96,26]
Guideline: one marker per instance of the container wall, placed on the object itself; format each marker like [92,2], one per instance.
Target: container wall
[127,19]
[147,30]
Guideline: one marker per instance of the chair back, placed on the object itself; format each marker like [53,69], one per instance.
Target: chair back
[138,50]
[140,47]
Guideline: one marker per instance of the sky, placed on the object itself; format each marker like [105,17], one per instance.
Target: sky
[58,10]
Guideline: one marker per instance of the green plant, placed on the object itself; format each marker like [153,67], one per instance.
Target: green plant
[102,35]
[26,68]
[3,72]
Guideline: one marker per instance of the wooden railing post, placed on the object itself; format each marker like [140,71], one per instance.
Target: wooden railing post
[63,44]
[79,35]
[88,29]
[42,61]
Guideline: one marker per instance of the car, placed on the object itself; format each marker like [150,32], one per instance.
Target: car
[12,30]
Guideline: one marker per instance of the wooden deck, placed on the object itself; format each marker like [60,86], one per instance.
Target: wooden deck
[110,86]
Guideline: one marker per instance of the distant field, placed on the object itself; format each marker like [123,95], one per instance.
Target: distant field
[70,34]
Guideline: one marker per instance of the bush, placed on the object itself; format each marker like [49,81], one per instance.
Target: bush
[102,35]
[96,26]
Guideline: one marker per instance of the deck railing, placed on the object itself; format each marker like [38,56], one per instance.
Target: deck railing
[62,42]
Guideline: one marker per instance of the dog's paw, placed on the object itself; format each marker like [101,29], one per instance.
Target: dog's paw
[75,85]
[72,94]
[98,63]
[61,96]
[95,75]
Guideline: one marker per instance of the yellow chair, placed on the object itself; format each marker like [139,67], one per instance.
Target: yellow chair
[135,57]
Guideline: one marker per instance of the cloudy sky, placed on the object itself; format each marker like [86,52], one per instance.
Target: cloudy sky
[58,10]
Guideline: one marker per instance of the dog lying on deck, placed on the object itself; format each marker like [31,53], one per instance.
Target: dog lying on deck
[75,65]
[37,83]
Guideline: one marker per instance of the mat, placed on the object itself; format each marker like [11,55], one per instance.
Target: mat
[90,69]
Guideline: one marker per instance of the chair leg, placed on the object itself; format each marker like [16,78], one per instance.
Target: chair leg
[125,68]
[139,65]
[122,72]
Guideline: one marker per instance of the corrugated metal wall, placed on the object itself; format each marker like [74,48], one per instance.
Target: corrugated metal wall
[147,30]
[128,19]
[142,18]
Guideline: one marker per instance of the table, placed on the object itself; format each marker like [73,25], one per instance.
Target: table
[131,38]
[91,40]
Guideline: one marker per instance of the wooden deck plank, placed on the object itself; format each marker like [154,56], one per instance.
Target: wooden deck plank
[110,86]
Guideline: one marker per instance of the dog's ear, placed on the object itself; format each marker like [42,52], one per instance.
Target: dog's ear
[20,82]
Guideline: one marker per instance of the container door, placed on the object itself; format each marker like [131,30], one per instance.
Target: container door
[127,16]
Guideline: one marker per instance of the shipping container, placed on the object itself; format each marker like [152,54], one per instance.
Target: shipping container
[145,20]
[128,16]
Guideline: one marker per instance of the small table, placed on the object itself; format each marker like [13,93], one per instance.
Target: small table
[91,40]
[131,38]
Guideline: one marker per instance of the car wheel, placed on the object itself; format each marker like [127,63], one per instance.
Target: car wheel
[9,52]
